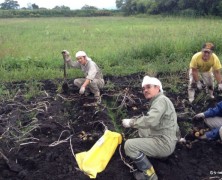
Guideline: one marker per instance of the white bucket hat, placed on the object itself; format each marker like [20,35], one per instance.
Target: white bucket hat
[80,54]
[153,81]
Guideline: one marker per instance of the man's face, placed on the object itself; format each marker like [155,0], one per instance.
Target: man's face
[206,54]
[149,91]
[82,60]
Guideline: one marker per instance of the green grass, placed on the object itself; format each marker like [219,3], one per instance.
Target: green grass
[30,48]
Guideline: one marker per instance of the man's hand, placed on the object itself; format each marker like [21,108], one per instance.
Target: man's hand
[220,87]
[82,90]
[66,55]
[199,116]
[65,51]
[199,85]
[127,123]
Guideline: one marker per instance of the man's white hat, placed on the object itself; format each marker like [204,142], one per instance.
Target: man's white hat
[80,54]
[153,81]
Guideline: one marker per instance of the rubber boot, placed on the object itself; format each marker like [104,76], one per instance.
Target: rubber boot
[220,133]
[211,93]
[97,97]
[86,93]
[146,170]
[191,93]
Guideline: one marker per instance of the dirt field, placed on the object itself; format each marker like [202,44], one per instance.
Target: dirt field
[35,132]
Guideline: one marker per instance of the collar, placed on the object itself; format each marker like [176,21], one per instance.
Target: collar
[155,97]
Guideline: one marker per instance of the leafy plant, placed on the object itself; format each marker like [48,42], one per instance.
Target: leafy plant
[33,88]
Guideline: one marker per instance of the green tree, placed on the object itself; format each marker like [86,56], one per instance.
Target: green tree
[9,4]
[34,6]
[198,7]
[119,4]
[87,7]
[61,8]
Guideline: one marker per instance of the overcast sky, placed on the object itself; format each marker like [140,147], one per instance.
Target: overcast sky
[73,4]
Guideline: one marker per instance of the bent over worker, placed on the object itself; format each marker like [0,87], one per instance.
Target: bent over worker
[205,65]
[158,130]
[213,119]
[93,80]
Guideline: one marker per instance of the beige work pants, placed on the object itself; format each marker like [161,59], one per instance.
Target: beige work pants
[94,86]
[208,80]
[213,122]
[153,146]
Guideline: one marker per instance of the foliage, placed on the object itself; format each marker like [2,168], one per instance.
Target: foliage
[35,6]
[9,4]
[31,48]
[33,88]
[200,7]
[4,92]
[61,8]
[87,7]
[61,11]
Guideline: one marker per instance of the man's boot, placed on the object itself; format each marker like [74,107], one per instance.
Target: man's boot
[191,93]
[145,169]
[220,133]
[86,93]
[211,93]
[97,97]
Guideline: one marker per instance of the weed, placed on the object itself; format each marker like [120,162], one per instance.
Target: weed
[186,126]
[4,92]
[115,114]
[167,47]
[109,85]
[33,88]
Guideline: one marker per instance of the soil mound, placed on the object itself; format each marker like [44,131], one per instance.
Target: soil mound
[39,128]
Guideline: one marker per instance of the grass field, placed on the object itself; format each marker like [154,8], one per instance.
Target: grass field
[30,48]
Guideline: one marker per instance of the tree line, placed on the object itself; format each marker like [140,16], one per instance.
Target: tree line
[128,7]
[13,5]
[11,9]
[186,7]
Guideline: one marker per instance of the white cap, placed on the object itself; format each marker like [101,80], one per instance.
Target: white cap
[80,53]
[153,81]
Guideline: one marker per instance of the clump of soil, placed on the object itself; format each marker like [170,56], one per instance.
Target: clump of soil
[39,132]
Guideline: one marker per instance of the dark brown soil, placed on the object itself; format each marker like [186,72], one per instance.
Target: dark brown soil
[32,130]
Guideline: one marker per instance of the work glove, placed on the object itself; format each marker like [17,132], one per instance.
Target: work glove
[66,55]
[199,116]
[199,85]
[82,90]
[127,123]
[65,51]
[220,87]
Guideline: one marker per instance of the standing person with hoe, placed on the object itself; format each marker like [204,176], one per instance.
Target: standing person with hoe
[206,65]
[93,80]
[158,130]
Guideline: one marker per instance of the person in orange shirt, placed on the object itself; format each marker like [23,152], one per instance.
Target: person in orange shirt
[205,65]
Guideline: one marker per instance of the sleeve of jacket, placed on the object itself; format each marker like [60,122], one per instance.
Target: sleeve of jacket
[73,64]
[153,116]
[216,111]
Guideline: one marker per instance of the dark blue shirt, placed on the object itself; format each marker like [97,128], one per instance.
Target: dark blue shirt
[216,111]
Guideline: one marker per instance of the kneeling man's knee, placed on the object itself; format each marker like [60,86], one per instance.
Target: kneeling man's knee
[128,148]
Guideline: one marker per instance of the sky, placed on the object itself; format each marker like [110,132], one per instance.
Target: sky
[73,4]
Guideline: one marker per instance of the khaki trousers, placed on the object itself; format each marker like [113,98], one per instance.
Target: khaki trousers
[208,80]
[213,122]
[94,86]
[154,146]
